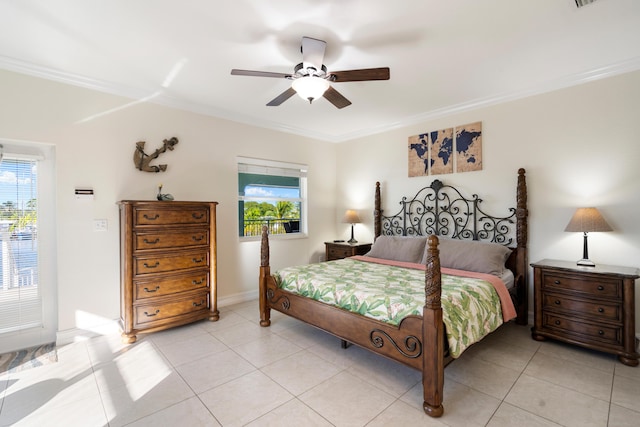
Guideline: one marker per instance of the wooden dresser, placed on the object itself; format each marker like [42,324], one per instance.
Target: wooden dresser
[593,307]
[168,273]
[339,250]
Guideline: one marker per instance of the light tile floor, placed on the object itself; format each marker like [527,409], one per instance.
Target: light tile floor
[233,372]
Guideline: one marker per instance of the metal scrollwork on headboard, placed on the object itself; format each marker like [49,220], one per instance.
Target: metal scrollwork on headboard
[442,210]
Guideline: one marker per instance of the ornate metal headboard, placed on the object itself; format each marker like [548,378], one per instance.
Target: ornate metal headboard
[444,211]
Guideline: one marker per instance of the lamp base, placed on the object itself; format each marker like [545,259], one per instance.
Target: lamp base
[352,240]
[586,263]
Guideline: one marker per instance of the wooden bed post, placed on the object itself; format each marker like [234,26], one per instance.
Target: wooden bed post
[433,334]
[265,272]
[377,213]
[522,266]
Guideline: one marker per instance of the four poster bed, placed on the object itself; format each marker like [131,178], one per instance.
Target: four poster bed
[448,311]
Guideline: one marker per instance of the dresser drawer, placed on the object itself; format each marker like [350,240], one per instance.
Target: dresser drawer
[170,262]
[338,252]
[170,239]
[158,312]
[150,216]
[167,286]
[587,331]
[596,310]
[591,286]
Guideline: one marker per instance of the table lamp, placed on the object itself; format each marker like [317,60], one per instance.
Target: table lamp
[352,218]
[585,220]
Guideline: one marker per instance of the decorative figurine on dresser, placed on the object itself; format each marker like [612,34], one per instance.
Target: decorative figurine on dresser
[593,307]
[168,270]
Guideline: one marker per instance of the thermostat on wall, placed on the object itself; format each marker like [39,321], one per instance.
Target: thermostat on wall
[84,193]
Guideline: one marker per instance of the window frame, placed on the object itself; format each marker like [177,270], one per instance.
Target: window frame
[276,169]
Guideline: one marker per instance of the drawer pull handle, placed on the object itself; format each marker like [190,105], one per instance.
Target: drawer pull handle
[151,266]
[152,314]
[153,290]
[197,260]
[156,216]
[197,238]
[601,288]
[557,302]
[600,332]
[557,322]
[197,216]
[195,304]
[556,282]
[149,242]
[197,282]
[600,310]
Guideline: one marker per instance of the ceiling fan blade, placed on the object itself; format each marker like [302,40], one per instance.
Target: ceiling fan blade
[282,97]
[336,98]
[360,75]
[236,72]
[313,53]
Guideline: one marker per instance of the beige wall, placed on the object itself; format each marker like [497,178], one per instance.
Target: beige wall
[94,136]
[580,147]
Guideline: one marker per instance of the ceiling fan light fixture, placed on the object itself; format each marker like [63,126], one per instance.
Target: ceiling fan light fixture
[310,87]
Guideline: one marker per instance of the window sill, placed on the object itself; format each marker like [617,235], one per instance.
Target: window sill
[288,236]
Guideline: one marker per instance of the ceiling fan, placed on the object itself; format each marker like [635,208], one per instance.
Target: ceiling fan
[311,80]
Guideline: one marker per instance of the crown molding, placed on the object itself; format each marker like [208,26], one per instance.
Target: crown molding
[611,70]
[158,97]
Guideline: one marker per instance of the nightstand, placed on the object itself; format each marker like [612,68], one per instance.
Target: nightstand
[588,306]
[339,250]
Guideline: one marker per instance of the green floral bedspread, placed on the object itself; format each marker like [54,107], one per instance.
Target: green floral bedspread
[471,307]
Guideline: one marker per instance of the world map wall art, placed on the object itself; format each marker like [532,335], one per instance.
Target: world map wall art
[438,152]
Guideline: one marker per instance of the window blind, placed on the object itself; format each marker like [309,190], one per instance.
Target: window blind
[20,296]
[272,168]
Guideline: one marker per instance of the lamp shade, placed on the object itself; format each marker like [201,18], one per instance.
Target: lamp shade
[351,217]
[587,220]
[310,87]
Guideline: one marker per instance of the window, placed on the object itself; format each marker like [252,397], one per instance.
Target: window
[271,194]
[27,305]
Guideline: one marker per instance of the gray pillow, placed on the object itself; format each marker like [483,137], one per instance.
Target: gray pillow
[472,255]
[398,248]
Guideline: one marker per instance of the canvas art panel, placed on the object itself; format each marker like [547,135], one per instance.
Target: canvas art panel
[441,151]
[418,155]
[469,147]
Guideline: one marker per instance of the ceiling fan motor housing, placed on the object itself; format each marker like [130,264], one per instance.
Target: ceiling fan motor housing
[300,71]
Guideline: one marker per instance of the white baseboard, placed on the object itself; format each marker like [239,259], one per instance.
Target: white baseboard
[238,298]
[69,336]
[72,335]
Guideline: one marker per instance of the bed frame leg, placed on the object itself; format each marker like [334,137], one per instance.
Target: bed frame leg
[265,272]
[265,310]
[433,334]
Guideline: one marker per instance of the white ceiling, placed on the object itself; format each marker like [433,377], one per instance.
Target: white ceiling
[445,55]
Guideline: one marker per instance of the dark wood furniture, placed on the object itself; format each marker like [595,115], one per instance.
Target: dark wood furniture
[418,341]
[168,273]
[588,306]
[339,250]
